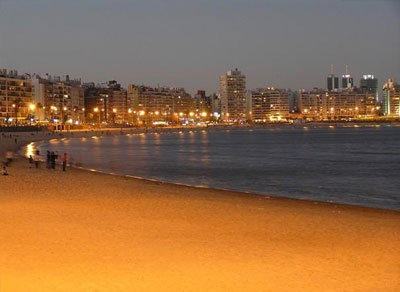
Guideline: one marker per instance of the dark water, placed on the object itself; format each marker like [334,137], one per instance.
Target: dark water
[359,166]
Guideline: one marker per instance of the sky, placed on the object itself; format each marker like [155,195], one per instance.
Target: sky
[190,43]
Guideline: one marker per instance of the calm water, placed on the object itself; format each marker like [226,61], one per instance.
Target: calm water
[358,166]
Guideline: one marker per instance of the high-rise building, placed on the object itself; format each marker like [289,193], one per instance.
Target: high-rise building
[202,104]
[312,104]
[351,104]
[391,99]
[269,104]
[116,109]
[59,100]
[216,106]
[16,97]
[92,102]
[319,105]
[332,82]
[347,80]
[160,103]
[258,106]
[369,83]
[233,96]
[279,104]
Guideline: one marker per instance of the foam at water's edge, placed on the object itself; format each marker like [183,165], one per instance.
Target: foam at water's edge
[41,143]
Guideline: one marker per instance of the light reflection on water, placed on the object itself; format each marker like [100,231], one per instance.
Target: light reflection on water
[349,165]
[30,150]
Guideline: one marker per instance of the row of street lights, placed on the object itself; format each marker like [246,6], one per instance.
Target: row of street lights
[143,114]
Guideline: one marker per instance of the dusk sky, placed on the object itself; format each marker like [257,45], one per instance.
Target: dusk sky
[187,43]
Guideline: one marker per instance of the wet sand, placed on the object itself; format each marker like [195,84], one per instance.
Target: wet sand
[83,231]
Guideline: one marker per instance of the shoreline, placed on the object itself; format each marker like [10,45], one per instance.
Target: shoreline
[230,192]
[100,133]
[234,192]
[88,231]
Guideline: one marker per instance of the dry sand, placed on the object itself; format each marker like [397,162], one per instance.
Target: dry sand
[82,231]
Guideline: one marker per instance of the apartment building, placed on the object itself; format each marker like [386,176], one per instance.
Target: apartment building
[269,104]
[160,103]
[16,97]
[391,99]
[318,105]
[233,96]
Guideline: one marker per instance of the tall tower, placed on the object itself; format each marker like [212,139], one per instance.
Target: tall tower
[369,84]
[233,95]
[391,99]
[332,81]
[347,80]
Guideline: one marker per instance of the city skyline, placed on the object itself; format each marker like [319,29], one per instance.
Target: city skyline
[273,44]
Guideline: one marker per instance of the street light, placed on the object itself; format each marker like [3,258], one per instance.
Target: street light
[16,113]
[114,114]
[32,108]
[96,110]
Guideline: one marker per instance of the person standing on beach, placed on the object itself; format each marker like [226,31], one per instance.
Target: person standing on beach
[64,162]
[36,159]
[30,161]
[48,160]
[53,160]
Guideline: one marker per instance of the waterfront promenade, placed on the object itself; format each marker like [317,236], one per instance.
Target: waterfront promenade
[83,231]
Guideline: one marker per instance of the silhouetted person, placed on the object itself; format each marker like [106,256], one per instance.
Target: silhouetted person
[48,160]
[64,162]
[36,159]
[30,161]
[53,160]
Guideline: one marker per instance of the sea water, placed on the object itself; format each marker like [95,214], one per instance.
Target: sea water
[351,165]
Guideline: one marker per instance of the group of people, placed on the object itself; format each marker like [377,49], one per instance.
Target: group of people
[35,159]
[52,158]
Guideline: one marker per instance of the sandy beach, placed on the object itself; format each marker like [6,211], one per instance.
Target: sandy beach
[84,231]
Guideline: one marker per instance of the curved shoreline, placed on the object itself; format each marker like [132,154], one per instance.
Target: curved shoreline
[83,231]
[159,181]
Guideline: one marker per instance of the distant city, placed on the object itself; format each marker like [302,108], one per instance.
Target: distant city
[48,100]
